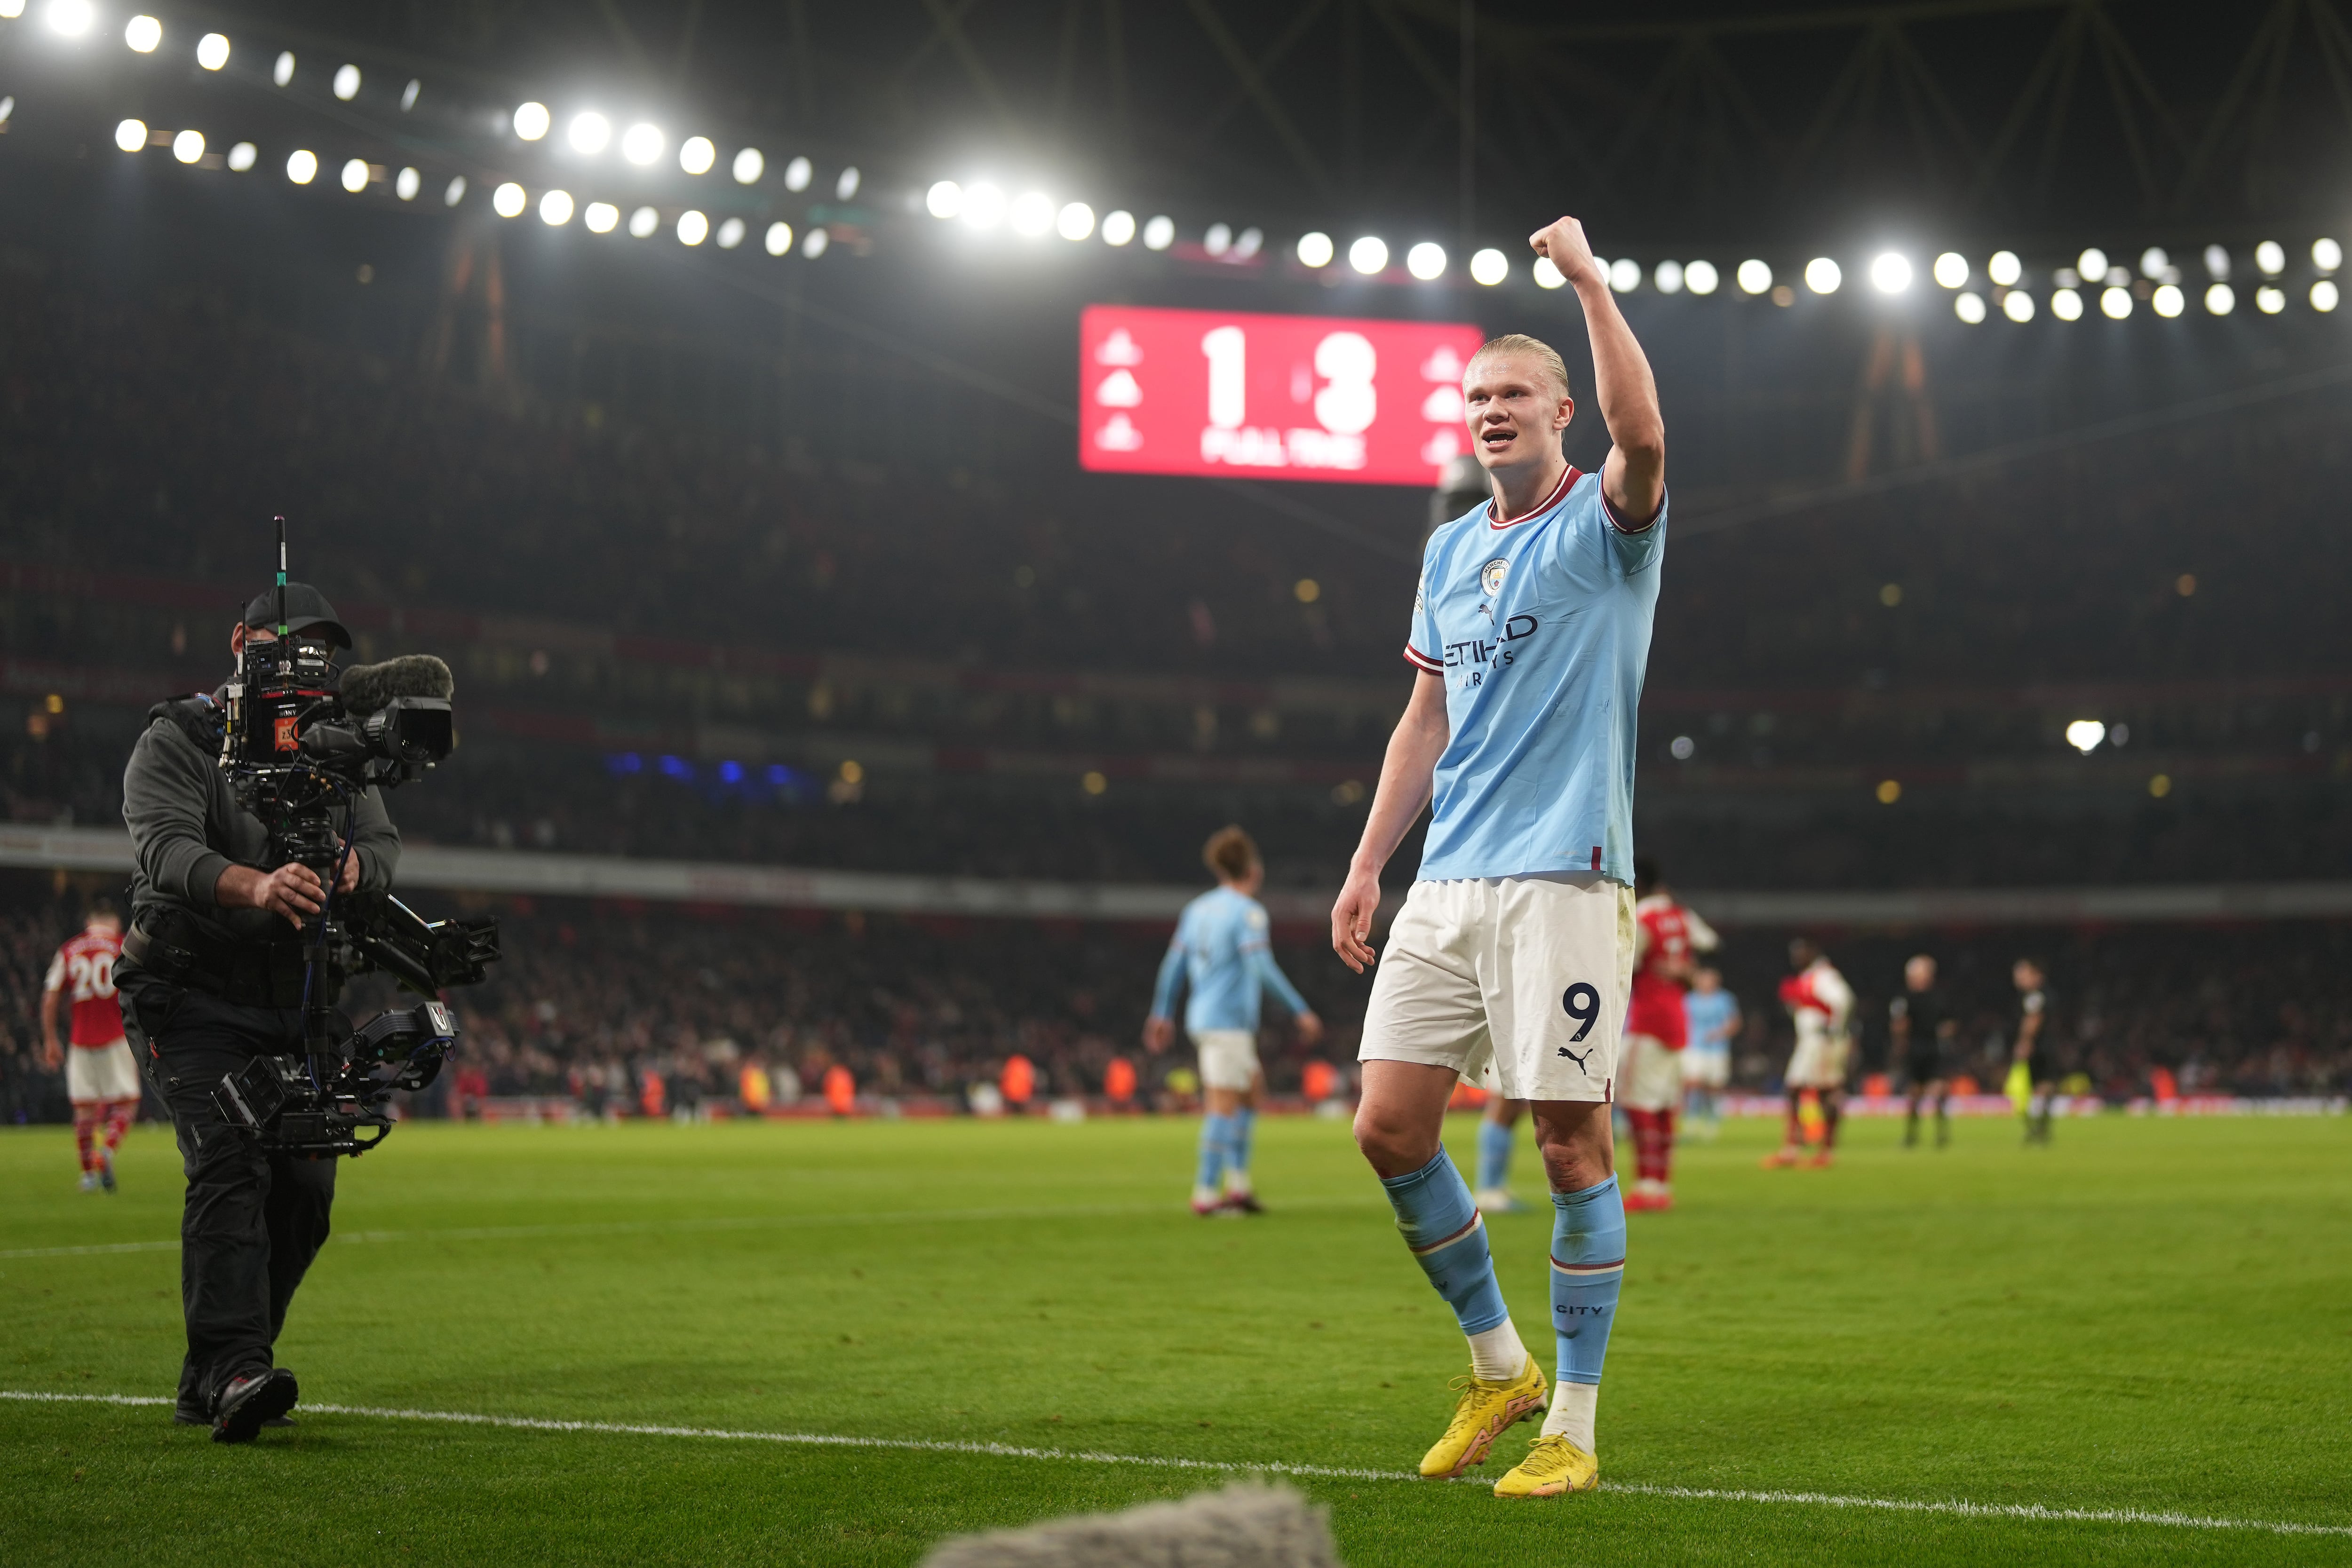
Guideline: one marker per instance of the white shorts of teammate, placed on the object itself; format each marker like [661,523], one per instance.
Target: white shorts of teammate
[1228,1058]
[1708,1066]
[1818,1060]
[1653,1075]
[1517,984]
[96,1072]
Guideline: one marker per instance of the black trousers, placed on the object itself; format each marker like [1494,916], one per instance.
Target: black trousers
[252,1222]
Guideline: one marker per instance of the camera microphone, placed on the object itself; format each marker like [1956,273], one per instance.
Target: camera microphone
[367,687]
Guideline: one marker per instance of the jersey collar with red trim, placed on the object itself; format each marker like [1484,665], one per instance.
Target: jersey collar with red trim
[1549,502]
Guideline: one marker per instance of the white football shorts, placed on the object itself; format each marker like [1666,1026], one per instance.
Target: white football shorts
[1818,1060]
[1518,984]
[1709,1067]
[1653,1075]
[101,1072]
[1228,1057]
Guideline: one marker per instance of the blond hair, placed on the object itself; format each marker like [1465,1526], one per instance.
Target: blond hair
[1543,354]
[1230,852]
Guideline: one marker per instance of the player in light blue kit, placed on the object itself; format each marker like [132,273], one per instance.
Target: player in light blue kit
[1221,956]
[1513,954]
[1711,1018]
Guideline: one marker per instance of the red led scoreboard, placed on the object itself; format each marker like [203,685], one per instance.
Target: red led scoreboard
[1270,397]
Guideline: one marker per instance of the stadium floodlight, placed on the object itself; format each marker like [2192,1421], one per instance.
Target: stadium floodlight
[779,238]
[1218,240]
[748,165]
[983,204]
[188,146]
[798,174]
[2269,301]
[643,223]
[2018,305]
[555,209]
[354,176]
[2324,294]
[1969,307]
[1315,247]
[589,133]
[695,155]
[2114,303]
[2220,299]
[1075,221]
[1821,275]
[531,121]
[2003,270]
[347,82]
[730,234]
[1667,277]
[2327,254]
[1248,243]
[2271,257]
[508,200]
[1700,277]
[844,186]
[408,94]
[2217,262]
[243,156]
[1952,269]
[281,69]
[407,183]
[1489,266]
[143,33]
[1032,214]
[1624,275]
[815,243]
[944,199]
[212,51]
[693,228]
[2167,302]
[455,191]
[1753,276]
[1369,256]
[70,18]
[2085,734]
[130,135]
[302,166]
[1426,261]
[1547,273]
[1890,272]
[642,143]
[2066,305]
[2154,263]
[2092,264]
[600,218]
[1159,232]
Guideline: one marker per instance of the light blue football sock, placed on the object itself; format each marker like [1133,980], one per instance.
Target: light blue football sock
[1241,1127]
[1214,1142]
[1442,1226]
[1495,1144]
[1588,1266]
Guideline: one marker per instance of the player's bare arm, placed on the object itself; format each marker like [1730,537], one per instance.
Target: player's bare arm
[1407,775]
[53,1056]
[1635,477]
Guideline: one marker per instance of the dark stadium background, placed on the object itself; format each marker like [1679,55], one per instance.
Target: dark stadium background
[666,511]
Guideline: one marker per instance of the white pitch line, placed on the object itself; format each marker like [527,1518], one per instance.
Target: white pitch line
[1951,1508]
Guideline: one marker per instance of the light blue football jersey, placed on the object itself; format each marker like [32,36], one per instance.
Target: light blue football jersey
[1221,956]
[1541,631]
[1705,1013]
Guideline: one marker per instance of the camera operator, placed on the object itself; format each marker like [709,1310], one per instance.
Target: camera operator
[212,971]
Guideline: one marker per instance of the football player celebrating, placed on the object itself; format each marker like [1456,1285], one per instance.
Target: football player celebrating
[1665,935]
[101,1076]
[1221,951]
[1821,1004]
[1515,946]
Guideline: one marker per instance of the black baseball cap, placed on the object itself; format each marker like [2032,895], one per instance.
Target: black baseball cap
[306,608]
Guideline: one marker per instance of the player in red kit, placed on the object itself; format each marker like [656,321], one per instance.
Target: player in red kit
[101,1078]
[1666,936]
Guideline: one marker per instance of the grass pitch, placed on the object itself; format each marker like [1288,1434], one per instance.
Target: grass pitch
[2150,1318]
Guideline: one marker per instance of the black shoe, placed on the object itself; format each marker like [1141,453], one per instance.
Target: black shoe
[1242,1203]
[184,1416]
[251,1400]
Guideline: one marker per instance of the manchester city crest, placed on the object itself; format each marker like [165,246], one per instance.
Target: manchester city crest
[1491,575]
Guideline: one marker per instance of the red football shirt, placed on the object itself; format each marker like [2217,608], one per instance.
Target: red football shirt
[84,967]
[1657,1006]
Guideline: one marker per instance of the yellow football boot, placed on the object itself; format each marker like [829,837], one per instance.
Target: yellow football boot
[1480,1417]
[1553,1465]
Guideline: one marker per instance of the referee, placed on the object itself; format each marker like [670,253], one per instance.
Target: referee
[1924,1026]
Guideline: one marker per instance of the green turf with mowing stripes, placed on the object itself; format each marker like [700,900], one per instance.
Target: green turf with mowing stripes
[2150,1315]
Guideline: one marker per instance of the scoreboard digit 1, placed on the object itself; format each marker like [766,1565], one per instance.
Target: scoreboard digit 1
[1271,397]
